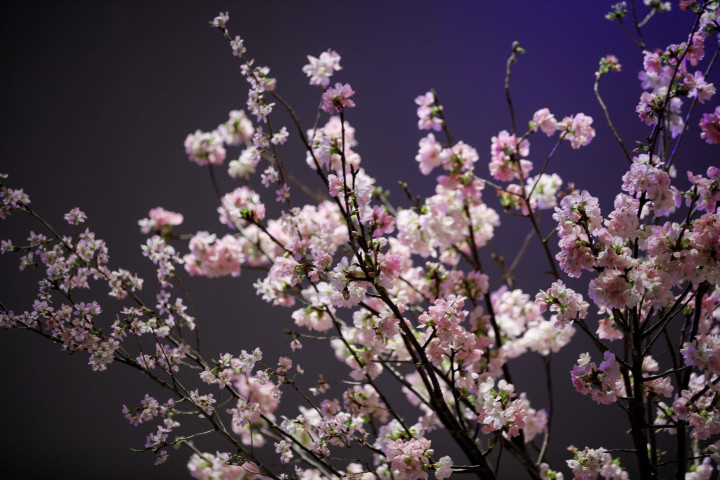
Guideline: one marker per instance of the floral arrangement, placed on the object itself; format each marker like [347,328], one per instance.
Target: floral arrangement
[427,340]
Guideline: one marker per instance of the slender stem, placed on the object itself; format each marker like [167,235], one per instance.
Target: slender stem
[638,25]
[609,121]
[512,59]
[214,181]
[547,362]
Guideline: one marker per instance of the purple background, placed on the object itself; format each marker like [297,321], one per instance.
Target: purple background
[97,98]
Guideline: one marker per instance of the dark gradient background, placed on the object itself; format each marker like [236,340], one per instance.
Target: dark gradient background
[96,100]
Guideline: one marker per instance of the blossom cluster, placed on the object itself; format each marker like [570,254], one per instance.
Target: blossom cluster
[403,295]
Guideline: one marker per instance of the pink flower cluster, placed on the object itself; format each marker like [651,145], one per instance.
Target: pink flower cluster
[337,98]
[321,68]
[213,257]
[205,148]
[646,177]
[207,466]
[703,352]
[710,126]
[587,464]
[568,304]
[577,130]
[237,130]
[240,207]
[428,112]
[450,338]
[603,382]
[160,221]
[506,151]
[578,217]
[499,409]
[697,405]
[409,459]
[662,96]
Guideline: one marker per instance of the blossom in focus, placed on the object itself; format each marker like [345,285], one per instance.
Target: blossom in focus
[603,382]
[579,131]
[567,303]
[336,98]
[505,152]
[321,68]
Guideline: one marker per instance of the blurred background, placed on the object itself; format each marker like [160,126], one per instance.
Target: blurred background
[98,97]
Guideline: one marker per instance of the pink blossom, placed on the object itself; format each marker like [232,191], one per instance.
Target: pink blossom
[213,258]
[221,20]
[505,153]
[609,63]
[460,158]
[607,330]
[205,148]
[499,410]
[623,221]
[587,464]
[160,221]
[365,401]
[337,98]
[545,121]
[428,113]
[383,223]
[241,206]
[544,190]
[710,126]
[75,216]
[577,215]
[604,383]
[611,289]
[699,409]
[209,466]
[646,176]
[698,87]
[237,130]
[568,304]
[696,50]
[429,154]
[321,68]
[238,46]
[543,336]
[579,131]
[649,107]
[409,459]
[707,190]
[443,468]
